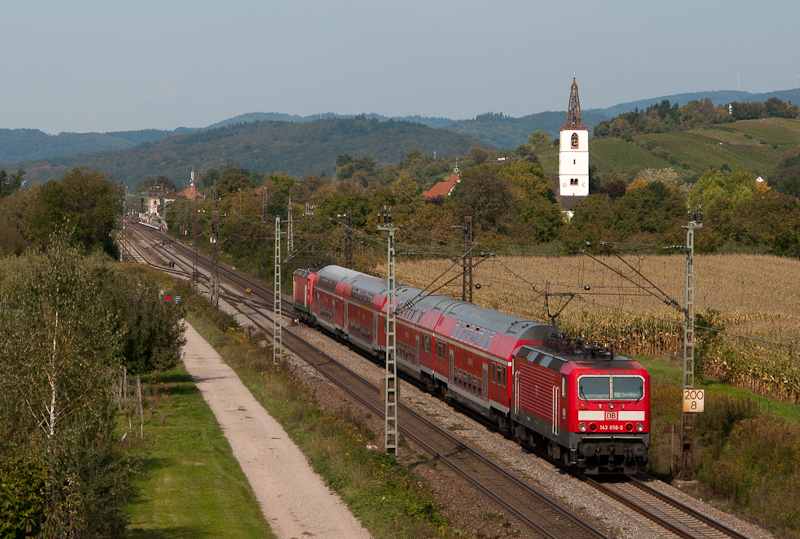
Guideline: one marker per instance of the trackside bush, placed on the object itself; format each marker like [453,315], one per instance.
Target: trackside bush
[759,470]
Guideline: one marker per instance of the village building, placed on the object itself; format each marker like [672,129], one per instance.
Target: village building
[443,189]
[191,193]
[156,196]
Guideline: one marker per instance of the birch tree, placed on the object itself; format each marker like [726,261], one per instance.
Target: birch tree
[57,354]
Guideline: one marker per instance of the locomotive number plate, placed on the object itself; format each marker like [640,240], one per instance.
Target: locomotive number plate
[611,416]
[610,428]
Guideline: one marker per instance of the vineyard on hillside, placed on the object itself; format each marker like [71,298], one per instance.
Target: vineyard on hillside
[752,297]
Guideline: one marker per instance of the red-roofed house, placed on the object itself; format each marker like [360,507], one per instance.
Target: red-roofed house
[190,193]
[443,189]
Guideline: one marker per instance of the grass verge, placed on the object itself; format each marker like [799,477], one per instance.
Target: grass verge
[381,492]
[190,485]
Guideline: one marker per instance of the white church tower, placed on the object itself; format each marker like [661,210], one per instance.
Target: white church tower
[573,155]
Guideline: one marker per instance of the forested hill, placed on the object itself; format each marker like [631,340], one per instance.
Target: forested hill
[25,144]
[507,132]
[296,149]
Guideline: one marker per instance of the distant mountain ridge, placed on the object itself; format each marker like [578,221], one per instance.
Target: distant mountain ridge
[718,97]
[26,144]
[276,116]
[496,129]
[507,132]
[295,148]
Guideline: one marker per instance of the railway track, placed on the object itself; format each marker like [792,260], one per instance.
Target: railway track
[668,513]
[539,514]
[542,516]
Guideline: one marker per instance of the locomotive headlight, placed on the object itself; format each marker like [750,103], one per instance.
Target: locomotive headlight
[582,427]
[639,427]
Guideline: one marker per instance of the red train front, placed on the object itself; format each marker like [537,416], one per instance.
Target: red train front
[580,403]
[583,405]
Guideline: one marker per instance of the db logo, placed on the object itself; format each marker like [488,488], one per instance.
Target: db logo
[611,416]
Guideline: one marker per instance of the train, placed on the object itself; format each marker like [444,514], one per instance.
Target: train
[581,403]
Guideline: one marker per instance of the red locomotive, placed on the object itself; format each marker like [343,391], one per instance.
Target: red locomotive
[580,403]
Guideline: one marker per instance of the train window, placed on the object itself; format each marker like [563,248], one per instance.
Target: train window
[627,387]
[464,331]
[455,329]
[480,386]
[489,342]
[545,361]
[504,376]
[594,387]
[473,338]
[494,373]
[564,386]
[557,364]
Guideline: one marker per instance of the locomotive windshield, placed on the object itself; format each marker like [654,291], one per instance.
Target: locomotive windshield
[611,388]
[628,387]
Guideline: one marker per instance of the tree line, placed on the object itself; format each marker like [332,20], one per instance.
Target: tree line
[71,319]
[511,202]
[666,117]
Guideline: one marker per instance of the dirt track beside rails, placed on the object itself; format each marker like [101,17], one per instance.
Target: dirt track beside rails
[293,498]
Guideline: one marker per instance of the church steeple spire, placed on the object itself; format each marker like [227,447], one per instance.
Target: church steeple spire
[574,110]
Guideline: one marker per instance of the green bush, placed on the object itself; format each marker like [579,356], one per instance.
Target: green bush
[759,470]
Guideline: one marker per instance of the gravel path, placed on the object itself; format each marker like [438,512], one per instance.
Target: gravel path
[293,498]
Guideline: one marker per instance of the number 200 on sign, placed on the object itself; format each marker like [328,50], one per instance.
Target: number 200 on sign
[693,400]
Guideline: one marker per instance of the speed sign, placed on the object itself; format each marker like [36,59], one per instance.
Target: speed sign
[693,400]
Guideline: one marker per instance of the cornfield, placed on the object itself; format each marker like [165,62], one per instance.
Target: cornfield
[756,299]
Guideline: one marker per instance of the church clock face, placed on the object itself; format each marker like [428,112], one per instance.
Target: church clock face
[574,141]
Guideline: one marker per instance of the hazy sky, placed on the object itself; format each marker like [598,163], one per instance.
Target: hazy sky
[111,65]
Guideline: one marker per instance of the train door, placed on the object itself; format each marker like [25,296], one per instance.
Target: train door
[516,386]
[485,382]
[555,410]
[344,324]
[452,378]
[375,335]
[335,312]
[416,355]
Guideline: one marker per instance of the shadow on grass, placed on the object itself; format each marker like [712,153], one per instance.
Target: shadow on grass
[183,389]
[173,532]
[148,464]
[176,378]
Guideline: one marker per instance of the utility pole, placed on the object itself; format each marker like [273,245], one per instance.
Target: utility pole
[163,209]
[391,380]
[124,223]
[276,300]
[290,230]
[195,280]
[264,225]
[466,262]
[687,416]
[348,242]
[310,214]
[214,249]
[239,229]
